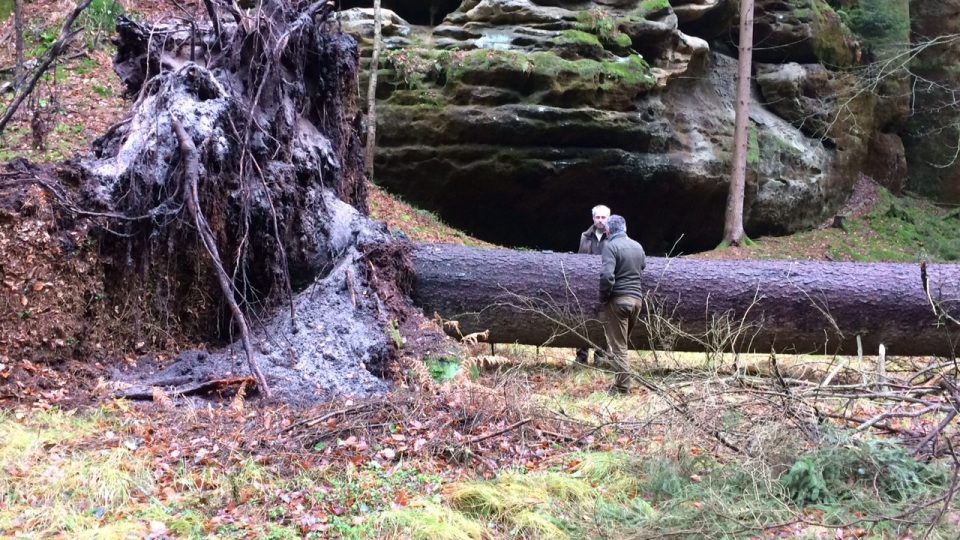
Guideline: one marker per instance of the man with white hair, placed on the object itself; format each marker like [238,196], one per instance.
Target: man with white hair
[591,243]
[622,296]
[592,239]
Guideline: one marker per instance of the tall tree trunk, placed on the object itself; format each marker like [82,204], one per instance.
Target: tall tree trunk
[756,306]
[372,90]
[733,222]
[18,37]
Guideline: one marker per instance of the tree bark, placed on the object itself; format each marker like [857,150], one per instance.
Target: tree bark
[372,90]
[733,221]
[745,306]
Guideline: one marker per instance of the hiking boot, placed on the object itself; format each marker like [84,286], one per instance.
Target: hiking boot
[600,360]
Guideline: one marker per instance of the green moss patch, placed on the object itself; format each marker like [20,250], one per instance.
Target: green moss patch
[903,229]
[606,28]
[895,229]
[834,43]
[651,7]
[578,44]
[753,146]
[549,79]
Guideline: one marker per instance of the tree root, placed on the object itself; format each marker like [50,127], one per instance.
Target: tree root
[191,174]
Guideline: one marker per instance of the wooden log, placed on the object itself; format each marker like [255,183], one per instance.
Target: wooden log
[545,298]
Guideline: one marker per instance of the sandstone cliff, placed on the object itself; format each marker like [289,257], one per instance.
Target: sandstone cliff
[511,118]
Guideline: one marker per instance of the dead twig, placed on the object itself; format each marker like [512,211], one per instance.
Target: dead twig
[937,309]
[556,435]
[66,203]
[214,19]
[953,392]
[951,491]
[353,295]
[203,387]
[309,422]
[509,428]
[895,414]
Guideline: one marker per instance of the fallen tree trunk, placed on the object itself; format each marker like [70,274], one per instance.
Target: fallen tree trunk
[745,306]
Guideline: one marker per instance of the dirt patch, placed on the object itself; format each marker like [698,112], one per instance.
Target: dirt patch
[861,201]
[49,272]
[61,330]
[56,331]
[415,224]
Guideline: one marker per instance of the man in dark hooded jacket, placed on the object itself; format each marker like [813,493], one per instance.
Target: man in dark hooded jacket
[622,295]
[591,243]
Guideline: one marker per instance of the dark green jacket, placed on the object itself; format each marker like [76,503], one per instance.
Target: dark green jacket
[589,245]
[623,263]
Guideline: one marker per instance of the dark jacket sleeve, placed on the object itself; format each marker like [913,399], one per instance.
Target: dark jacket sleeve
[584,244]
[608,274]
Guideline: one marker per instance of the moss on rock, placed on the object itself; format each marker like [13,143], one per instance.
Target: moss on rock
[753,146]
[651,7]
[606,28]
[578,44]
[834,43]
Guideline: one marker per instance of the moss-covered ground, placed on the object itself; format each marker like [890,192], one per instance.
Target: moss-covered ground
[884,228]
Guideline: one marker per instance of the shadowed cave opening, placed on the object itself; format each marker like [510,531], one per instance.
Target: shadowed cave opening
[661,214]
[417,12]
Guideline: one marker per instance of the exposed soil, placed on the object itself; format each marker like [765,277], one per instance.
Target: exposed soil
[339,335]
[62,338]
[51,299]
[58,320]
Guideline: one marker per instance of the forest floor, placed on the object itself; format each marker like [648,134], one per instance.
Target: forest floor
[505,442]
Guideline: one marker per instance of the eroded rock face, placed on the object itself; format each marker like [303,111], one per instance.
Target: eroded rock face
[693,10]
[801,94]
[802,31]
[512,118]
[358,22]
[888,163]
[931,140]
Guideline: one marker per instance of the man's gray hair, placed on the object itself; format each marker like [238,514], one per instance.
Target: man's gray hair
[600,209]
[616,224]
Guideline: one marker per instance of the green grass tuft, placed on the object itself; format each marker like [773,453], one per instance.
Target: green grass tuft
[614,469]
[902,229]
[429,522]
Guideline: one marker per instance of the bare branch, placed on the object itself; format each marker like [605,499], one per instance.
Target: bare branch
[54,52]
[191,175]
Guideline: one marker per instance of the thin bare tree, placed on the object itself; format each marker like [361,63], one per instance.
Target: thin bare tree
[67,33]
[733,234]
[372,89]
[18,40]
